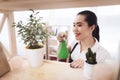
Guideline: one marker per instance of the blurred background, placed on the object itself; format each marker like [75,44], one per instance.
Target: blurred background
[60,20]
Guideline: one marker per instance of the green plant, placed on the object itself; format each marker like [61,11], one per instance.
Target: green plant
[91,57]
[34,32]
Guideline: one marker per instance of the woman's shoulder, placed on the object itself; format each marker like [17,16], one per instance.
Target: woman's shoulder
[102,50]
[99,48]
[102,53]
[74,42]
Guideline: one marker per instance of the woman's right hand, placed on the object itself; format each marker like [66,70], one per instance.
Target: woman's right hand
[60,36]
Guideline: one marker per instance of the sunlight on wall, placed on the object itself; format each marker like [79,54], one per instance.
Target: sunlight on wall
[4,35]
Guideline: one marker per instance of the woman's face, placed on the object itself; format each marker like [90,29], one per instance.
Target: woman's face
[81,29]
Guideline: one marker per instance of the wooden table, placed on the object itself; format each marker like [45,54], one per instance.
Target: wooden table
[54,70]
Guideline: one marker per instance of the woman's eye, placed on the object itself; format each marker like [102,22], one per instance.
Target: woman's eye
[73,25]
[79,25]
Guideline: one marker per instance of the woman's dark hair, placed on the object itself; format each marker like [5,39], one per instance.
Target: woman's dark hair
[91,19]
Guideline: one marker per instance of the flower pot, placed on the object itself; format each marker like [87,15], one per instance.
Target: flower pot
[35,57]
[88,70]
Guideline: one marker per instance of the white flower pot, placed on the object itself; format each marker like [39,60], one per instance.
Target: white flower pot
[35,57]
[88,71]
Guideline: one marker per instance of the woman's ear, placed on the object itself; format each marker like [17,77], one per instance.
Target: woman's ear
[92,28]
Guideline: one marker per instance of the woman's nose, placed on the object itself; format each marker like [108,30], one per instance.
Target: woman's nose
[75,29]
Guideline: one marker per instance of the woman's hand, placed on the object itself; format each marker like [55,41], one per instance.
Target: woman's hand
[60,36]
[79,63]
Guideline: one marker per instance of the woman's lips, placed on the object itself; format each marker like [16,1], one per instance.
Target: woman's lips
[77,34]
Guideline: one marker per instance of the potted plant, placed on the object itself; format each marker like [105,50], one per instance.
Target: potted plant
[34,35]
[89,63]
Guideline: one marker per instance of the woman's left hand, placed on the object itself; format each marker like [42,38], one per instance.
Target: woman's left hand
[79,63]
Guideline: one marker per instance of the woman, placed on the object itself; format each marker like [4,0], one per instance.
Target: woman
[86,31]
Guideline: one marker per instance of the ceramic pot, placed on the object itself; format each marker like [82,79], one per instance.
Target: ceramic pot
[88,71]
[35,57]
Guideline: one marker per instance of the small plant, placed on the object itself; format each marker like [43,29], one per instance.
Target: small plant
[34,32]
[91,57]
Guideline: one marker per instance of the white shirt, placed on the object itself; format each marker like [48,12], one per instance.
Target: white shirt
[101,53]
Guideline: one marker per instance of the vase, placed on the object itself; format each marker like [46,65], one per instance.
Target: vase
[35,57]
[88,71]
